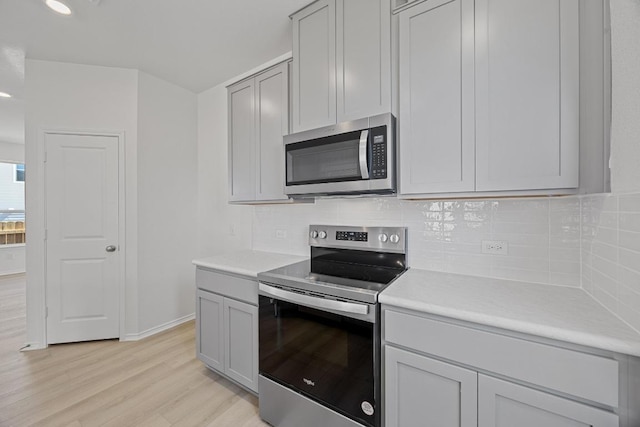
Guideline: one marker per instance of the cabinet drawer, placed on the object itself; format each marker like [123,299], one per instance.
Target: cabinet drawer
[579,374]
[229,286]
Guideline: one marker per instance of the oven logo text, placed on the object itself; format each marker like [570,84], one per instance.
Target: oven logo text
[309,382]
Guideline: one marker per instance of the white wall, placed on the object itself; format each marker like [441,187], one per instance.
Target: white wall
[11,152]
[167,201]
[221,226]
[76,97]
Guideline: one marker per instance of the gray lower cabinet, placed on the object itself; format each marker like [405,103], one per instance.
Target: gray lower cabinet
[241,342]
[209,329]
[227,326]
[421,391]
[502,403]
[441,373]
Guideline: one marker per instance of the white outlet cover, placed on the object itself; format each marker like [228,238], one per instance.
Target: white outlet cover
[495,247]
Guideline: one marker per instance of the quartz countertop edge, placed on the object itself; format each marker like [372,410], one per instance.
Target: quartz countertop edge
[247,262]
[561,313]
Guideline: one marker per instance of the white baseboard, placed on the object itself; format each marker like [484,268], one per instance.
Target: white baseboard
[159,328]
[30,346]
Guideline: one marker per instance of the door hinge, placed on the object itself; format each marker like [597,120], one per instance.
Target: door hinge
[46,312]
[45,157]
[46,234]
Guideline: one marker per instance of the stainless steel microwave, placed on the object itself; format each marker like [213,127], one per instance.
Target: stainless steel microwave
[350,158]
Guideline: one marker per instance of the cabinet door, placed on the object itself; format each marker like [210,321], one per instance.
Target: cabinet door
[527,88]
[272,122]
[420,391]
[436,97]
[241,343]
[363,58]
[242,160]
[314,66]
[209,329]
[506,404]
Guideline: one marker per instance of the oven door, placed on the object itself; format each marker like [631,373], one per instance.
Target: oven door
[325,353]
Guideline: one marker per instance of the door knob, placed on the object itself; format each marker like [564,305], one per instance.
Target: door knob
[110,248]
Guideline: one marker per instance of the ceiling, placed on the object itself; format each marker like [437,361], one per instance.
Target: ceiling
[195,44]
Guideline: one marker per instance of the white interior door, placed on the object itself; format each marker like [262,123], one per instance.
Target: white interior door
[82,261]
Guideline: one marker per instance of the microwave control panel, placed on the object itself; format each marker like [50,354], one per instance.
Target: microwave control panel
[378,152]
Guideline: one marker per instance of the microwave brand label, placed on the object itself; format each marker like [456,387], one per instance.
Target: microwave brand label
[367,408]
[309,382]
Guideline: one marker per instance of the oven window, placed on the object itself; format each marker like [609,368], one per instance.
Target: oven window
[327,357]
[331,159]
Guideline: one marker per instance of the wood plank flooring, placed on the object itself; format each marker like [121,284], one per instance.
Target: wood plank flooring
[155,382]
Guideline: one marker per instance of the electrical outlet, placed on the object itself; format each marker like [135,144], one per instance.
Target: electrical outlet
[281,234]
[495,247]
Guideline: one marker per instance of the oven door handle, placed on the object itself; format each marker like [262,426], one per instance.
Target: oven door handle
[314,302]
[364,168]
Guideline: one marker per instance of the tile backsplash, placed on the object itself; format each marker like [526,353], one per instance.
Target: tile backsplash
[543,234]
[611,253]
[588,241]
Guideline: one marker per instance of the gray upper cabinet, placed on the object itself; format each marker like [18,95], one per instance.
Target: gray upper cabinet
[242,175]
[314,66]
[420,391]
[341,62]
[436,98]
[363,58]
[258,119]
[272,123]
[489,96]
[502,403]
[527,94]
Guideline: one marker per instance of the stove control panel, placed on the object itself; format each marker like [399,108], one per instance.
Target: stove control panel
[354,236]
[382,239]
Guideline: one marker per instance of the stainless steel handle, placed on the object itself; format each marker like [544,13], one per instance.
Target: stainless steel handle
[364,168]
[315,302]
[110,248]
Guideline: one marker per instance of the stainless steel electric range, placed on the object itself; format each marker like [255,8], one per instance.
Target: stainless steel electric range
[319,328]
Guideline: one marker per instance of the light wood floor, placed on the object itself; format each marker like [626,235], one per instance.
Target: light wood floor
[153,382]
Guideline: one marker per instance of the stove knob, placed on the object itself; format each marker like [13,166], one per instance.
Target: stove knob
[383,238]
[323,235]
[394,238]
[313,234]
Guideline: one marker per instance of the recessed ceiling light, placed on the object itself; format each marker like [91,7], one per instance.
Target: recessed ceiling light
[4,95]
[58,6]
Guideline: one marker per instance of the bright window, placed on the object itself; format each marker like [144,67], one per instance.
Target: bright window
[18,175]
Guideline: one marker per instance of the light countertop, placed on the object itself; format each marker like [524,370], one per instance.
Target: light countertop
[557,312]
[247,262]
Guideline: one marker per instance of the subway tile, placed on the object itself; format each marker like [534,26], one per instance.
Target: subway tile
[606,235]
[631,316]
[604,250]
[605,266]
[604,298]
[629,221]
[521,275]
[564,267]
[629,259]
[629,278]
[564,279]
[629,240]
[605,283]
[564,254]
[629,202]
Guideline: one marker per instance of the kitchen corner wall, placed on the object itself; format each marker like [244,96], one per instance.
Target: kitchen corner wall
[611,253]
[543,234]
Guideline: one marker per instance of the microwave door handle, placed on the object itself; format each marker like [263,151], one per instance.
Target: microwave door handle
[364,168]
[314,302]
